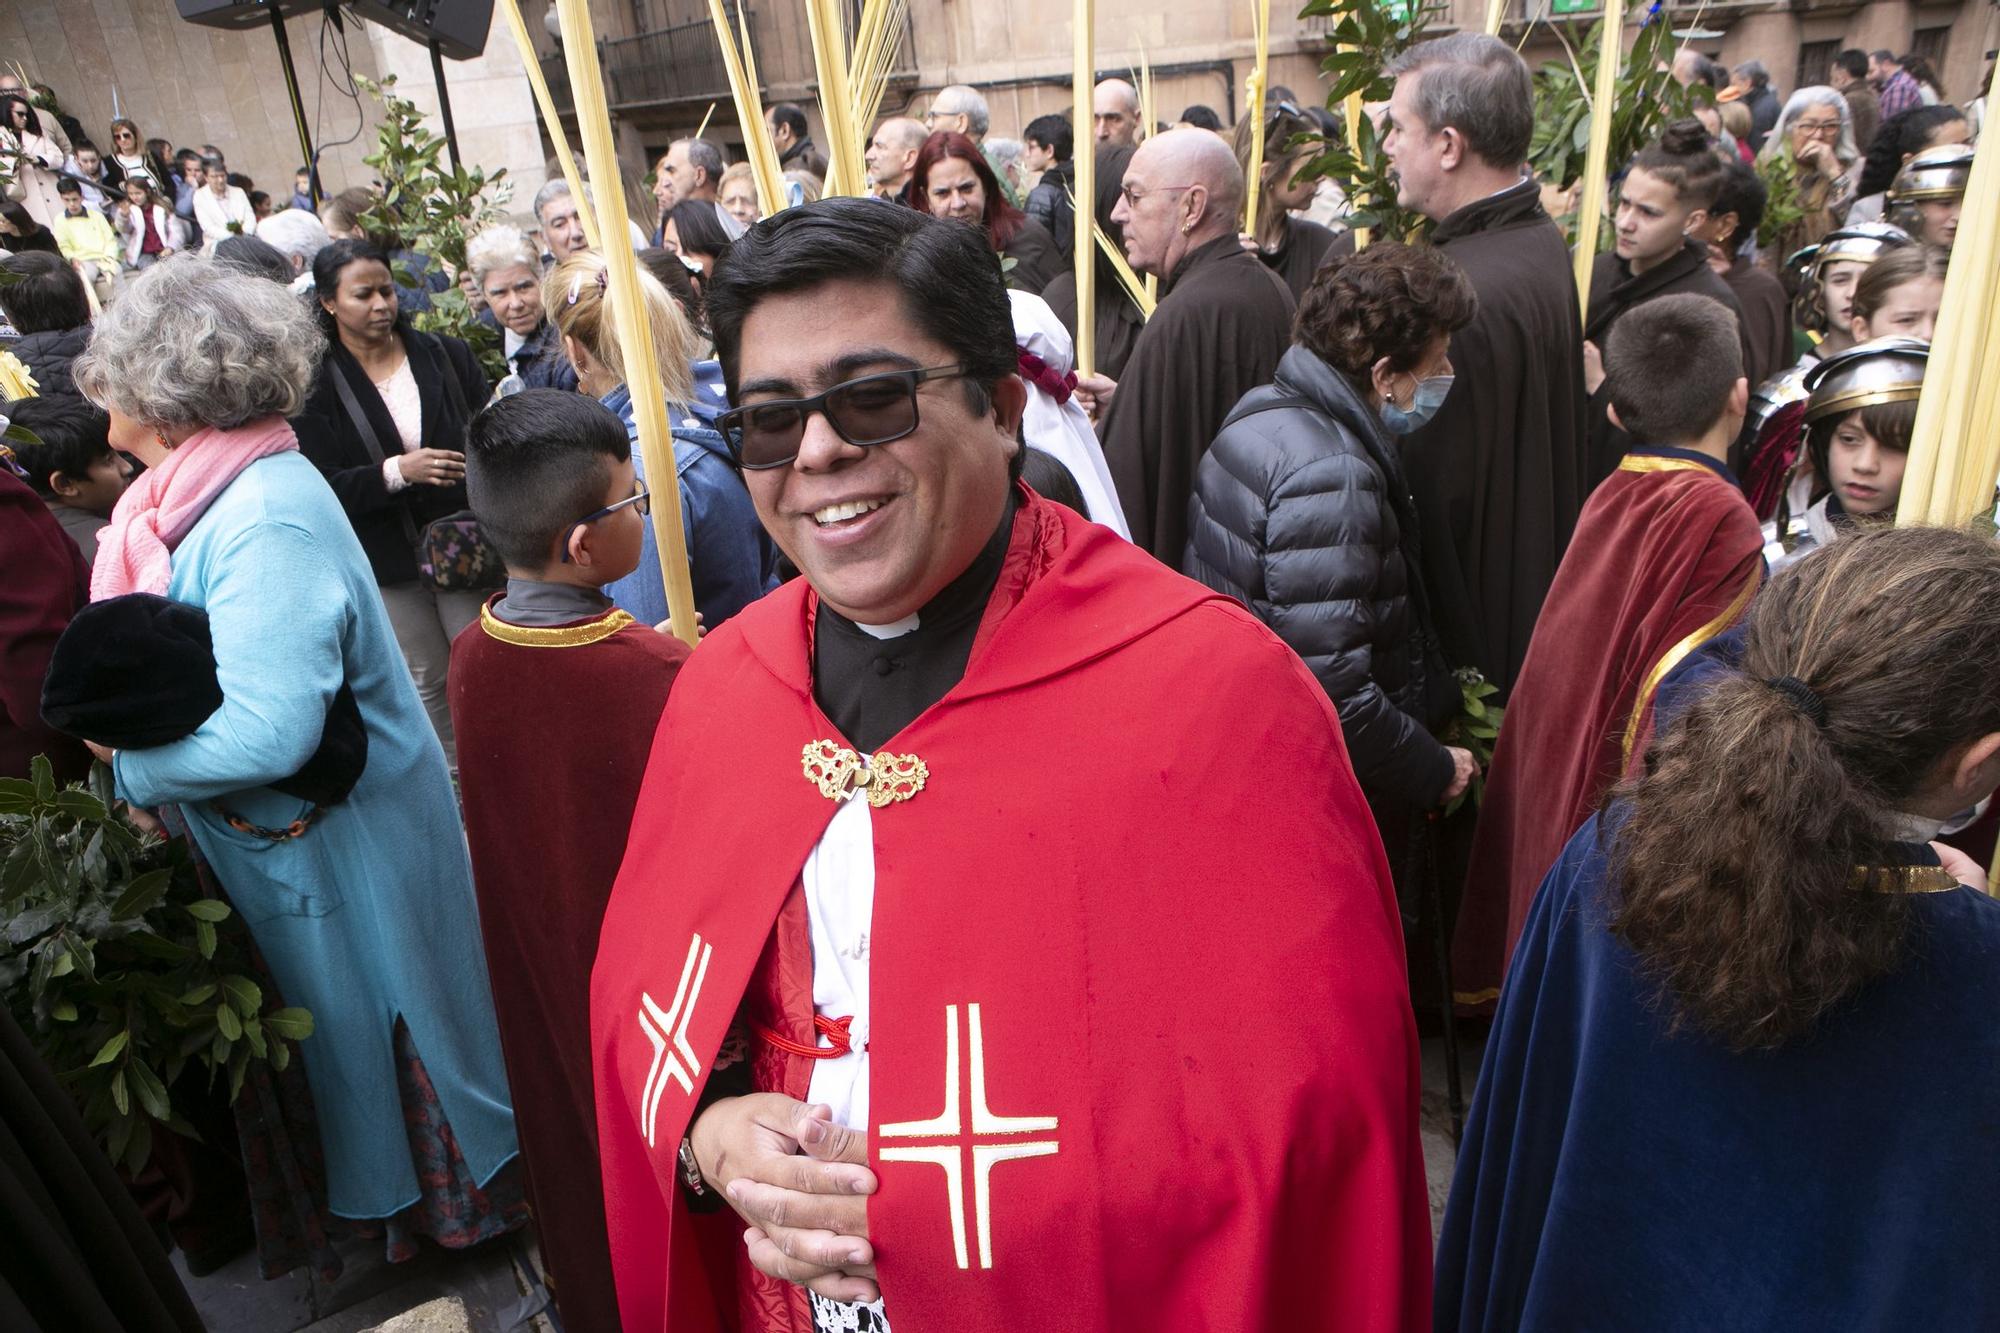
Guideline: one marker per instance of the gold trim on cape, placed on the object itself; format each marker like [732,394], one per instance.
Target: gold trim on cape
[1680,650]
[884,778]
[1907,879]
[561,636]
[1653,463]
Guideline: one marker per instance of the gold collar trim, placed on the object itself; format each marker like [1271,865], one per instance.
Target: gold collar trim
[560,636]
[884,778]
[1905,879]
[1654,463]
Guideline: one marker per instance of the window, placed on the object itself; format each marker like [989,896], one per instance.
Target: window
[1816,63]
[1931,44]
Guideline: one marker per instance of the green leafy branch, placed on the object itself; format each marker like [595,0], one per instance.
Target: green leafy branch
[433,209]
[1648,97]
[1783,206]
[119,967]
[1367,35]
[1475,729]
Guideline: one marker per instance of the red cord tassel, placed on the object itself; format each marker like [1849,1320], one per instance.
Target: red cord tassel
[833,1029]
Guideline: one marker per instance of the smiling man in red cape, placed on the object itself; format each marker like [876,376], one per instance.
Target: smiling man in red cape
[1036,869]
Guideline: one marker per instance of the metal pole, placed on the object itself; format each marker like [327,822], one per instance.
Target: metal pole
[298,106]
[444,104]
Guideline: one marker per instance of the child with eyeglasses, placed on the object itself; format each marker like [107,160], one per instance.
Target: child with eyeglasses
[555,696]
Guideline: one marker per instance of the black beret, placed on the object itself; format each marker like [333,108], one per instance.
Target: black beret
[132,672]
[138,671]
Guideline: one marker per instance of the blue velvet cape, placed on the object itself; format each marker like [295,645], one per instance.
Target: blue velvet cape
[1616,1177]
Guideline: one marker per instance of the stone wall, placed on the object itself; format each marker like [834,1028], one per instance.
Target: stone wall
[192,85]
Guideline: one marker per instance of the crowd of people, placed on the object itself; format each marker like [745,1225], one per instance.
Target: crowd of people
[664,947]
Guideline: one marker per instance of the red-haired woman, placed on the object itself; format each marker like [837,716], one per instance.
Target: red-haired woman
[951,179]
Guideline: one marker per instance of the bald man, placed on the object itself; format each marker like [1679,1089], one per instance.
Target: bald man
[891,155]
[1223,321]
[1114,114]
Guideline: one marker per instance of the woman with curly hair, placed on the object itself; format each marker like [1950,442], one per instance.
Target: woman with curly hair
[1302,513]
[1744,1070]
[952,179]
[360,901]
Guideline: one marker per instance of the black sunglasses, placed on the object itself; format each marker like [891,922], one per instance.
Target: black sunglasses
[874,409]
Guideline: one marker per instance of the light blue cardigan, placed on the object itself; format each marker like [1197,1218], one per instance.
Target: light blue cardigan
[369,915]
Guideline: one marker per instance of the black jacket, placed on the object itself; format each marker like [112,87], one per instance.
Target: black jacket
[329,437]
[1049,204]
[47,356]
[1300,512]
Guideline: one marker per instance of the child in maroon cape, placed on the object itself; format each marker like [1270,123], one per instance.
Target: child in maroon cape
[555,694]
[1666,555]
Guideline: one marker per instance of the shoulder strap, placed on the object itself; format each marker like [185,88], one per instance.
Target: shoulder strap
[369,440]
[453,389]
[1269,405]
[352,405]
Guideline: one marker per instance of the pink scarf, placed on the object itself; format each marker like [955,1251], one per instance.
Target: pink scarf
[135,554]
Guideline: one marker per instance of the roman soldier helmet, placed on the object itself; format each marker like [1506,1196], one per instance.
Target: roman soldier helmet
[1887,370]
[1857,243]
[1935,173]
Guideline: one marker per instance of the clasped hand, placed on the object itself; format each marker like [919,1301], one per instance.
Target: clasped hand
[801,1183]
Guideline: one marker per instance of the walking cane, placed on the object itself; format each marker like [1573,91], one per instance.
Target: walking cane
[1432,902]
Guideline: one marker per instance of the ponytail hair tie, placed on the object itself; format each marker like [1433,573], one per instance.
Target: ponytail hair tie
[1800,696]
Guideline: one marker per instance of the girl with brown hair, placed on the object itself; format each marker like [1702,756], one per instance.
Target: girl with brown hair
[1744,1069]
[1899,295]
[1290,246]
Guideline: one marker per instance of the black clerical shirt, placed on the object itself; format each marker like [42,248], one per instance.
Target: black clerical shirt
[871,686]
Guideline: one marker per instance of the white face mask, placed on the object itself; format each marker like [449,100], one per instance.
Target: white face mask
[1424,404]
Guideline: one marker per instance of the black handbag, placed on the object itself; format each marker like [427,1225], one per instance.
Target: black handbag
[453,554]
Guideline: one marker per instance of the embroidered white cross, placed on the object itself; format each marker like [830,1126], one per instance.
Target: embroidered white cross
[948,1124]
[669,1029]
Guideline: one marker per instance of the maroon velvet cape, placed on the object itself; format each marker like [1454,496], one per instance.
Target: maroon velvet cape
[1141,1056]
[554,727]
[1666,555]
[42,583]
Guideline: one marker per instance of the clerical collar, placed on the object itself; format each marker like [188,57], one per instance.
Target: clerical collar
[533,604]
[871,681]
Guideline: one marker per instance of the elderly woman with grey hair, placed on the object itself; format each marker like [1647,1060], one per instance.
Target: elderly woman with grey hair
[1816,134]
[361,903]
[504,264]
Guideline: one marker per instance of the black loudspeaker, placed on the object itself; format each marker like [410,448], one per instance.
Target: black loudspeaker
[457,26]
[243,13]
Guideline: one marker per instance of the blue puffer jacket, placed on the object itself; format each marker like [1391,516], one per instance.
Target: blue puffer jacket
[732,561]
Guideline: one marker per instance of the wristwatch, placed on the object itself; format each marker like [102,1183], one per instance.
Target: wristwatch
[691,1179]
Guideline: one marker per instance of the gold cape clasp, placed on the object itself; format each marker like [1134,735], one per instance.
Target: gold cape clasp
[885,778]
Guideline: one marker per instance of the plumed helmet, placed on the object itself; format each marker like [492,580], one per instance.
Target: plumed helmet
[1887,370]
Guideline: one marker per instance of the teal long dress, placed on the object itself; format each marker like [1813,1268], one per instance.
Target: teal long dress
[369,916]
